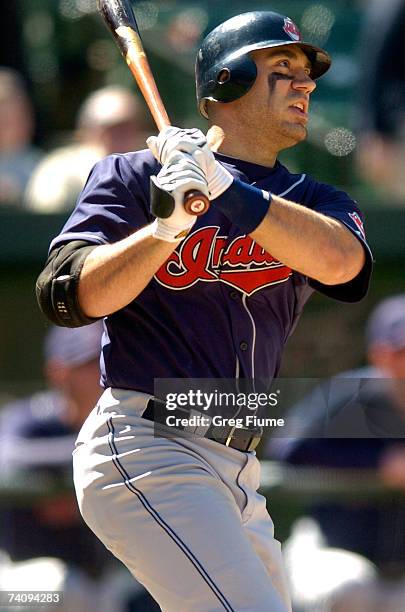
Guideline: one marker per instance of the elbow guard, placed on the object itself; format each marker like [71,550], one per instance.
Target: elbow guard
[56,286]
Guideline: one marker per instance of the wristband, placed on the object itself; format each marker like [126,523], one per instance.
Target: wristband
[244,205]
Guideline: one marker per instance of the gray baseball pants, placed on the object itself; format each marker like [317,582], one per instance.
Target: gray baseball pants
[182,514]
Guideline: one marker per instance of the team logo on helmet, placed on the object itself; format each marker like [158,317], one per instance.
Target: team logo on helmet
[206,256]
[291,29]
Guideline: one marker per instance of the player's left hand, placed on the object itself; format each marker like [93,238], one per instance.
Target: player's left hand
[193,142]
[176,139]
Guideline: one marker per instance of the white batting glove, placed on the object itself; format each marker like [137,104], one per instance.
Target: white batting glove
[175,139]
[194,142]
[219,178]
[179,175]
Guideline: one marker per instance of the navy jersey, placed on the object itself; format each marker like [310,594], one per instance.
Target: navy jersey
[220,306]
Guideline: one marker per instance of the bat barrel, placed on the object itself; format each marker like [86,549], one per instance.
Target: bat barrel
[120,20]
[117,13]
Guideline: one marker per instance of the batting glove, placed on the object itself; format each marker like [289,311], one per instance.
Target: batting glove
[193,142]
[219,178]
[175,139]
[180,174]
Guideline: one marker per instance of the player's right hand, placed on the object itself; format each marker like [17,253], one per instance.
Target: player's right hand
[180,174]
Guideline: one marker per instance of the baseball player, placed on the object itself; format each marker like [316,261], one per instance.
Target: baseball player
[209,297]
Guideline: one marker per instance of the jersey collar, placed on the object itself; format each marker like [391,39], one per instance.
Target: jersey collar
[253,172]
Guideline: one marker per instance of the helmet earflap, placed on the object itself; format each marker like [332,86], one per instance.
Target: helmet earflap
[230,80]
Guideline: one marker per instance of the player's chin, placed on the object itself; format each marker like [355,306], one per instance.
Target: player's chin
[299,128]
[302,133]
[294,133]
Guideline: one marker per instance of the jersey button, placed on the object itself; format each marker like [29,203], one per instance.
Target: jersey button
[243,346]
[234,295]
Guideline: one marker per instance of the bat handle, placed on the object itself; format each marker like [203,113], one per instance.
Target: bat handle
[196,203]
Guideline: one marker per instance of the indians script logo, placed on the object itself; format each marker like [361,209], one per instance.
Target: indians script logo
[205,256]
[291,29]
[359,223]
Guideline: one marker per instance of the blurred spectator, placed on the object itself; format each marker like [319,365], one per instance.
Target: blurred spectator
[354,547]
[381,104]
[111,120]
[185,31]
[44,543]
[18,157]
[37,436]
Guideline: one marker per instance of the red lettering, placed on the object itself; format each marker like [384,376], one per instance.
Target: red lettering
[203,252]
[238,253]
[191,264]
[260,256]
[219,248]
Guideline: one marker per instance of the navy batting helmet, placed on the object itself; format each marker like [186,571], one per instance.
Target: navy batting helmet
[224,69]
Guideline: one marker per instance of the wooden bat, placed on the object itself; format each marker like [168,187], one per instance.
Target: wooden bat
[120,19]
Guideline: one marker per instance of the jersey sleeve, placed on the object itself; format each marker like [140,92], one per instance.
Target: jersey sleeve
[338,205]
[113,204]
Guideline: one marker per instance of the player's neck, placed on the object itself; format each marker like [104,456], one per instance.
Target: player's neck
[243,153]
[238,144]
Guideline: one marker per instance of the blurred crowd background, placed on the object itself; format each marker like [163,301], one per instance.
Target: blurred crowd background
[66,100]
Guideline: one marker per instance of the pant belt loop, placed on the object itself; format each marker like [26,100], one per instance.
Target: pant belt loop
[229,436]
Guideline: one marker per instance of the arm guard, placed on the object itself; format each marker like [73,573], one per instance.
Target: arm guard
[56,287]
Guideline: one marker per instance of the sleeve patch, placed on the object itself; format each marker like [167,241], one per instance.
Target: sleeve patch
[358,222]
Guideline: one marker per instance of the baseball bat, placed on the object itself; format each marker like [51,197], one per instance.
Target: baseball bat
[120,20]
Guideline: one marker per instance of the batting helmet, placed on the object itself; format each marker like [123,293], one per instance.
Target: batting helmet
[224,69]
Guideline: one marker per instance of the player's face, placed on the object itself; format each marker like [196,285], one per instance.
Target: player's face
[277,105]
